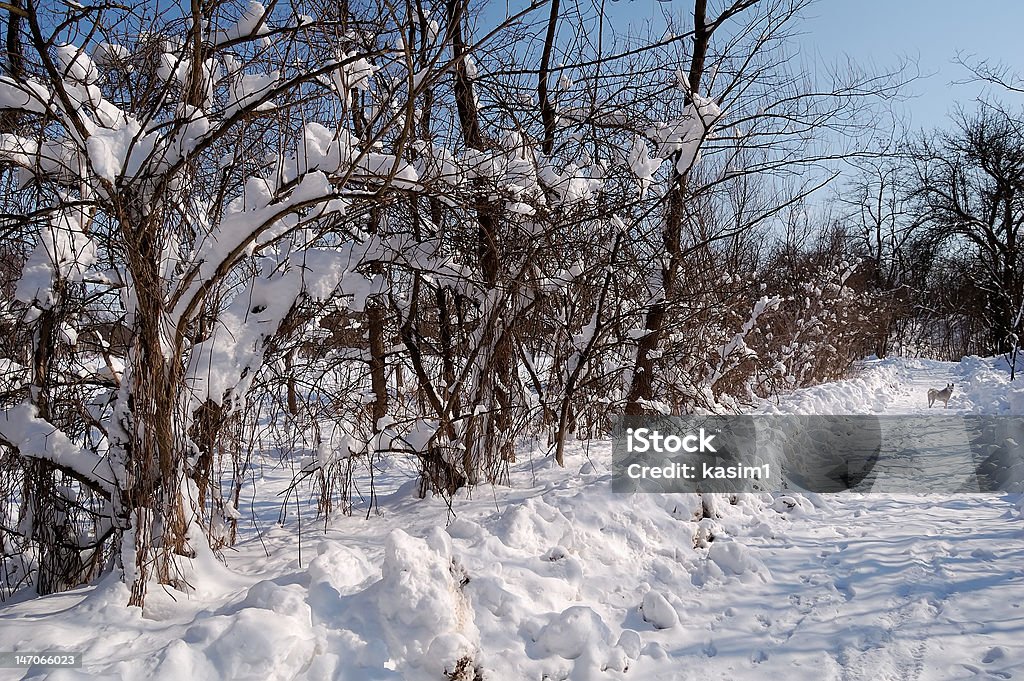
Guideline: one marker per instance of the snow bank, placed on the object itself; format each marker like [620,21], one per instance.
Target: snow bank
[562,581]
[983,387]
[872,390]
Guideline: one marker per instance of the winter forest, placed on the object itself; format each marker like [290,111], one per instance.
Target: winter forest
[298,265]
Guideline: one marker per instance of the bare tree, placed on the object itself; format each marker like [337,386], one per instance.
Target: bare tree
[968,187]
[756,117]
[877,217]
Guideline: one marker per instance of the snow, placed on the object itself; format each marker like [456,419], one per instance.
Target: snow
[36,438]
[188,135]
[110,54]
[684,135]
[76,65]
[421,603]
[353,71]
[250,23]
[437,163]
[12,375]
[224,364]
[557,577]
[64,253]
[173,67]
[572,185]
[17,150]
[111,150]
[248,88]
[25,95]
[642,164]
[658,611]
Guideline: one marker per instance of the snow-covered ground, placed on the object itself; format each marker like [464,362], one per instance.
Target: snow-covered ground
[900,386]
[556,577]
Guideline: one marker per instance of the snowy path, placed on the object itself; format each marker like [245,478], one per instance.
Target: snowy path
[882,589]
[909,394]
[890,587]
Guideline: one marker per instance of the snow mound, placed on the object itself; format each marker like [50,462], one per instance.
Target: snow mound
[534,526]
[728,559]
[658,611]
[426,615]
[342,567]
[288,600]
[253,643]
[573,633]
[793,504]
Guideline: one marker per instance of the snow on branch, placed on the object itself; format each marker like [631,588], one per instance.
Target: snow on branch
[224,365]
[33,437]
[64,252]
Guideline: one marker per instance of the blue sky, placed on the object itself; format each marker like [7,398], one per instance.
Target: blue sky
[880,32]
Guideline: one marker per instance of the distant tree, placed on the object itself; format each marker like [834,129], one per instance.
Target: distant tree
[876,219]
[967,186]
[757,115]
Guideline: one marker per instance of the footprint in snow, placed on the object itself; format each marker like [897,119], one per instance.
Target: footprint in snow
[845,589]
[983,554]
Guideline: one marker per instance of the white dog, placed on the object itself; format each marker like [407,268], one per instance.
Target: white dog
[940,395]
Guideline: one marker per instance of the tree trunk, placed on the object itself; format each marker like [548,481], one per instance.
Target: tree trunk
[641,389]
[489,444]
[155,449]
